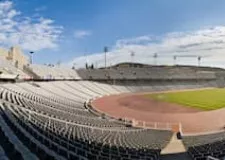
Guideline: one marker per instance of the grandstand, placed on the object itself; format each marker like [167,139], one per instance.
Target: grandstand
[8,71]
[50,116]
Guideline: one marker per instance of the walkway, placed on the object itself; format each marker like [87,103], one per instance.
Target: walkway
[175,146]
[175,150]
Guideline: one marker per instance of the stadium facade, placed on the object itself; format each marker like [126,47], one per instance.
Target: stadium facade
[14,56]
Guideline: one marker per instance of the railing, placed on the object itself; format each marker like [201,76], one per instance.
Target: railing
[176,127]
[203,133]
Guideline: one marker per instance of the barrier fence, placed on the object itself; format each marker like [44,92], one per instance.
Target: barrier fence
[176,127]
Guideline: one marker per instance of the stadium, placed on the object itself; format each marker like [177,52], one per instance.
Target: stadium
[112,80]
[125,112]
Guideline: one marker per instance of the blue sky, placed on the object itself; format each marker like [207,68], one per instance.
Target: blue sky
[86,26]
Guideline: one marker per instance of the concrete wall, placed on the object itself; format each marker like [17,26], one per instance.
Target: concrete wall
[17,58]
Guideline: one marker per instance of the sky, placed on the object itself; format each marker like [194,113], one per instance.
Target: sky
[74,32]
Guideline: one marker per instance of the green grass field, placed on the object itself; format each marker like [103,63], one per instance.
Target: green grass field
[208,99]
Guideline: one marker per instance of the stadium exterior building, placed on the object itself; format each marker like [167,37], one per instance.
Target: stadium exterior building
[15,56]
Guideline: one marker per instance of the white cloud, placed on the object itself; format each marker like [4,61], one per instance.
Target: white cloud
[29,33]
[208,43]
[5,5]
[136,40]
[82,33]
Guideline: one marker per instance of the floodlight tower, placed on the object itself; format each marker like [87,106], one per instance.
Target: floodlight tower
[132,54]
[174,60]
[199,60]
[31,57]
[155,56]
[105,50]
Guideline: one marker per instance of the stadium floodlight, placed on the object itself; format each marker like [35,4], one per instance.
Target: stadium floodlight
[105,50]
[174,59]
[199,60]
[199,57]
[31,57]
[132,54]
[155,56]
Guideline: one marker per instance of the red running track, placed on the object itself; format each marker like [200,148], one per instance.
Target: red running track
[136,106]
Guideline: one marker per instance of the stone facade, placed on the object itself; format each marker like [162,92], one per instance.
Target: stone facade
[15,56]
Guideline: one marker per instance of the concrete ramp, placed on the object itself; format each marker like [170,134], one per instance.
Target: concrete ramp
[174,146]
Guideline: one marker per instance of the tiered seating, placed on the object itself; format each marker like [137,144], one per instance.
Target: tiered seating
[8,71]
[199,147]
[51,121]
[54,72]
[148,73]
[34,145]
[93,139]
[52,115]
[3,156]
[151,73]
[12,146]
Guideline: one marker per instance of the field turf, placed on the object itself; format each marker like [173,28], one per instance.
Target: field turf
[208,99]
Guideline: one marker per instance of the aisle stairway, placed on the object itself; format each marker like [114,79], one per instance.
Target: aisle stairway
[174,150]
[174,146]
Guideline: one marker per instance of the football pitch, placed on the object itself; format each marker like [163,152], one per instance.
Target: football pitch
[208,99]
